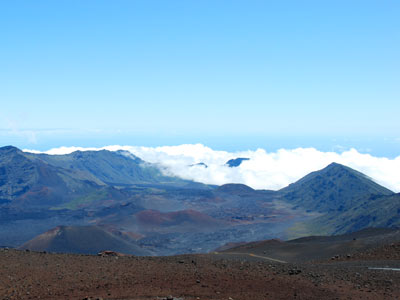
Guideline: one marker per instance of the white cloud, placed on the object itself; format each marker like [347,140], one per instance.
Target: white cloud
[264,170]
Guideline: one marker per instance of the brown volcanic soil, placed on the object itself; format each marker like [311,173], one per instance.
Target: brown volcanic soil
[367,244]
[34,275]
[385,252]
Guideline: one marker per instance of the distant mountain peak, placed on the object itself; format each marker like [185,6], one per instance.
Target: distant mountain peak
[236,162]
[9,148]
[335,165]
[338,167]
[335,187]
[30,179]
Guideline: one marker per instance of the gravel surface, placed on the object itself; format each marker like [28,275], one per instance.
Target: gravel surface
[34,275]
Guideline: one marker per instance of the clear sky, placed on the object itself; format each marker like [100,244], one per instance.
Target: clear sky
[229,74]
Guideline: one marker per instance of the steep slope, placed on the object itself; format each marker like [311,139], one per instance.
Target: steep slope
[31,182]
[372,211]
[115,168]
[334,188]
[68,181]
[17,174]
[82,240]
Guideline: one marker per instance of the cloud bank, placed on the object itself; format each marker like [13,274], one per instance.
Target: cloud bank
[264,170]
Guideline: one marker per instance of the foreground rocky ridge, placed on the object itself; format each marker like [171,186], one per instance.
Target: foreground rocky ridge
[38,275]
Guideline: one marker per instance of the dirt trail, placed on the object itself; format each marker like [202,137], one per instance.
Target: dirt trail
[252,255]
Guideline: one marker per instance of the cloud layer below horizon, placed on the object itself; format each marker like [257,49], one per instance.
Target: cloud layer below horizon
[264,170]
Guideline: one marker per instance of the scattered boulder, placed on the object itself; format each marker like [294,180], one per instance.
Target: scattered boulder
[107,253]
[294,271]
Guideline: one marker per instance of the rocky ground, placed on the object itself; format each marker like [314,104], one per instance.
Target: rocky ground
[35,275]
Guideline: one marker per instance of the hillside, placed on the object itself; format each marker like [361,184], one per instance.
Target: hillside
[34,180]
[348,200]
[82,240]
[235,189]
[334,188]
[372,211]
[177,221]
[313,248]
[113,168]
[26,182]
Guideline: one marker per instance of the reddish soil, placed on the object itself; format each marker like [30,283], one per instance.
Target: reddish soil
[157,218]
[34,275]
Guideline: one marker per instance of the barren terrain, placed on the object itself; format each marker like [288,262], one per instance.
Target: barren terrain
[38,275]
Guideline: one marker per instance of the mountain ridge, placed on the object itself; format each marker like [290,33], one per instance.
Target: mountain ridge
[335,187]
[51,180]
[120,191]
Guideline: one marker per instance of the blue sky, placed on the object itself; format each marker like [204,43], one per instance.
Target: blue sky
[229,74]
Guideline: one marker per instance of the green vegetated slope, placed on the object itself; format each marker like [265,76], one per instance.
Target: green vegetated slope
[86,200]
